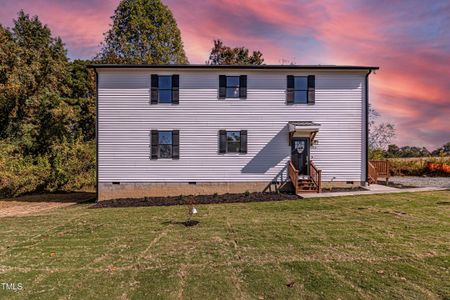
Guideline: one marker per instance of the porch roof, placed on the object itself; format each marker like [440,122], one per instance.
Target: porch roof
[304,126]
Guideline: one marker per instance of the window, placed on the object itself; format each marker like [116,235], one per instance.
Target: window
[233,141]
[165,144]
[232,86]
[300,89]
[165,89]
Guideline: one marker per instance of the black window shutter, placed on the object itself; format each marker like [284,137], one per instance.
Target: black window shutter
[311,89]
[154,90]
[155,144]
[222,141]
[290,90]
[175,89]
[176,144]
[222,86]
[243,86]
[243,141]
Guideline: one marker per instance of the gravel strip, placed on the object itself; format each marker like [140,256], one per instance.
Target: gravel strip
[442,182]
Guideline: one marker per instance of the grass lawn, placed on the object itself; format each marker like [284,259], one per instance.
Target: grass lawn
[374,246]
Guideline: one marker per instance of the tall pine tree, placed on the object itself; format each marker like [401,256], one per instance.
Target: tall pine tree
[143,31]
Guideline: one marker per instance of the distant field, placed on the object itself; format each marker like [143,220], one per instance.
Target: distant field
[374,246]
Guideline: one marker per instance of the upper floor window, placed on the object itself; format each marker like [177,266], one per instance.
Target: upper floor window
[232,86]
[164,89]
[301,89]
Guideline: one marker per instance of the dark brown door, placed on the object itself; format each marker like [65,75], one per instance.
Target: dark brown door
[300,154]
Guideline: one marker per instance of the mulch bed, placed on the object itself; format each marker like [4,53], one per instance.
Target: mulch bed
[199,199]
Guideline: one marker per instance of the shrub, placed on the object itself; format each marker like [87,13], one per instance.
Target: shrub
[420,166]
[21,174]
[73,166]
[67,167]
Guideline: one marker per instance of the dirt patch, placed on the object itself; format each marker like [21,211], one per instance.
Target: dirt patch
[199,199]
[60,197]
[32,204]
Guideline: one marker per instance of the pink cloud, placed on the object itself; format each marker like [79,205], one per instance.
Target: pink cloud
[80,25]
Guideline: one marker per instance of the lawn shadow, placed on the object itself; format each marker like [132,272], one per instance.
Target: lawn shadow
[188,223]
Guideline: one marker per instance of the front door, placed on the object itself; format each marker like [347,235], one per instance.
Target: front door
[300,154]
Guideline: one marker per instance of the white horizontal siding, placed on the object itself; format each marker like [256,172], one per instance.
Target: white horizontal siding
[126,118]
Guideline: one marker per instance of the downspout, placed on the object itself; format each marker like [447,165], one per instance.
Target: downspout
[96,134]
[367,123]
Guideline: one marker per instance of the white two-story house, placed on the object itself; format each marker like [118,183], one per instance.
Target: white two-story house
[203,129]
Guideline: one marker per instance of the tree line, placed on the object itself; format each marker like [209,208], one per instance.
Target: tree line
[381,135]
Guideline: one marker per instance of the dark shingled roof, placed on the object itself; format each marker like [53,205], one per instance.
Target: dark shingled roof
[224,67]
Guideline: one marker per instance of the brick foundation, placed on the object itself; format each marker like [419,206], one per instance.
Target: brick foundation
[109,191]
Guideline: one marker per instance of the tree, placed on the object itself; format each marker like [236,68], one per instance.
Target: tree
[224,55]
[81,80]
[33,63]
[381,134]
[393,151]
[442,151]
[8,84]
[446,148]
[81,97]
[47,112]
[143,32]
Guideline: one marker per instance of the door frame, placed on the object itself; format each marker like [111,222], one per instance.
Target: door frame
[307,154]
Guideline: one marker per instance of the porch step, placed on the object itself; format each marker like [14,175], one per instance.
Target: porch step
[307,185]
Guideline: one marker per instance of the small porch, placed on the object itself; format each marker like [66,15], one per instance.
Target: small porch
[302,171]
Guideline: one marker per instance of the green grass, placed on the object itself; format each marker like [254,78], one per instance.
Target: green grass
[375,246]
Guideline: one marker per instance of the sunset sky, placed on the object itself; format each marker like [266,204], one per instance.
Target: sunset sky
[408,40]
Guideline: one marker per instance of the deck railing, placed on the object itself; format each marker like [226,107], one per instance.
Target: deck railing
[316,176]
[293,175]
[381,169]
[373,175]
